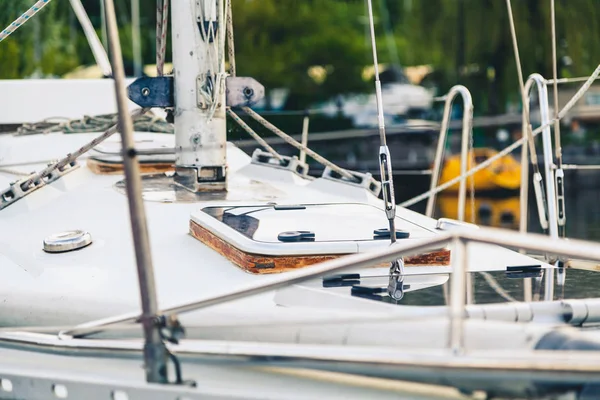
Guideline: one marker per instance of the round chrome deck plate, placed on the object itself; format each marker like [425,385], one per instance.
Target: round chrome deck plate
[67,241]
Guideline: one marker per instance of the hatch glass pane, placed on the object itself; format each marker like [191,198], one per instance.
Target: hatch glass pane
[328,222]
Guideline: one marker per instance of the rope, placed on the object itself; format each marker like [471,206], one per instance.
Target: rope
[524,96]
[13,172]
[215,82]
[91,124]
[254,135]
[496,287]
[159,61]
[162,18]
[558,149]
[22,19]
[567,80]
[232,72]
[510,148]
[230,40]
[584,88]
[142,123]
[291,141]
[73,156]
[221,76]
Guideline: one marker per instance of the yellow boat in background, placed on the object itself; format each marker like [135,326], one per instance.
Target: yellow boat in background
[499,212]
[503,174]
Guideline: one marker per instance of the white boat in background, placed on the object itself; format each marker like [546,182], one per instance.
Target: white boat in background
[256,280]
[400,98]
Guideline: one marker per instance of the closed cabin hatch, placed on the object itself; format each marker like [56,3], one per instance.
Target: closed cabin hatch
[274,238]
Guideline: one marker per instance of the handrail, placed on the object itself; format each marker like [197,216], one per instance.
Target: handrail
[524,190]
[582,90]
[503,237]
[550,205]
[539,81]
[467,125]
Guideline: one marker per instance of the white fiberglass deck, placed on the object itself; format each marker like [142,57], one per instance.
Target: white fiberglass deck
[100,280]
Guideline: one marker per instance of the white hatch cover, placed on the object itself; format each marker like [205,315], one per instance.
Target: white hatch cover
[320,231]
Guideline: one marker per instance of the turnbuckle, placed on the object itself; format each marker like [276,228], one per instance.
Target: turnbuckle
[387,185]
[396,280]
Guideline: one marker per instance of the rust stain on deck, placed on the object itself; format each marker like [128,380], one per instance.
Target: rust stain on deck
[265,264]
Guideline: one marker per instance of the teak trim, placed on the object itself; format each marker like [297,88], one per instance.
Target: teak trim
[265,264]
[103,168]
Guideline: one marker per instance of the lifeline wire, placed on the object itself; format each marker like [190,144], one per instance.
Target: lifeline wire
[385,162]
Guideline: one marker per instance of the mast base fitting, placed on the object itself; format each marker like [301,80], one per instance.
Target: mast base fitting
[202,178]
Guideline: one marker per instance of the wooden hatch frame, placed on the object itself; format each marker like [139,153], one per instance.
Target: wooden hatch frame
[116,168]
[272,264]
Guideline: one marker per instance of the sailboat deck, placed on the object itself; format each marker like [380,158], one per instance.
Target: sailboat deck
[100,280]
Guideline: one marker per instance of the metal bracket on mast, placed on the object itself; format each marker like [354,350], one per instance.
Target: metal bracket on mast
[149,92]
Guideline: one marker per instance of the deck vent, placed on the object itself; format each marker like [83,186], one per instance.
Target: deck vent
[67,241]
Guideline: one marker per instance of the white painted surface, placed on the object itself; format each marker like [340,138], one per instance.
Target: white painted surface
[33,100]
[100,280]
[200,136]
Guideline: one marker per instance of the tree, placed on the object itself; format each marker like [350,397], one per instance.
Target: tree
[466,41]
[277,42]
[40,46]
[432,33]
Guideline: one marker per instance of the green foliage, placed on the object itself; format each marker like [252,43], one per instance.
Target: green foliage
[466,41]
[434,31]
[277,42]
[9,59]
[41,45]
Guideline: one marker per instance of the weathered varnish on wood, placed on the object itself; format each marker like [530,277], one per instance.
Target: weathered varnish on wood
[104,168]
[264,264]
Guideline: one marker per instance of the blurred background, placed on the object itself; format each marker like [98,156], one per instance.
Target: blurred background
[314,58]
